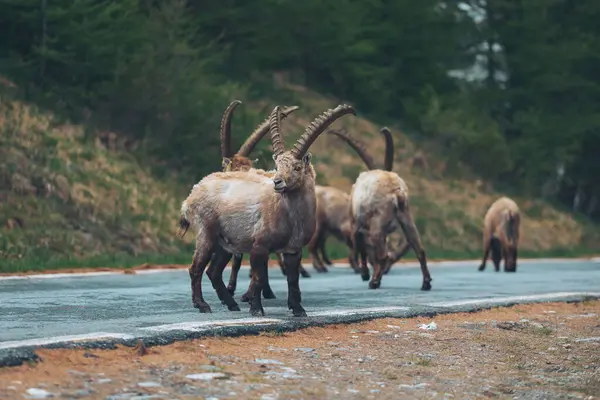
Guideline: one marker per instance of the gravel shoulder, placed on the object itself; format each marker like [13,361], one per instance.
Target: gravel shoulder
[534,351]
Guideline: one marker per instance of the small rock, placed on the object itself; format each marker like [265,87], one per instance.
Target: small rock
[374,332]
[590,339]
[73,372]
[35,393]
[149,384]
[304,349]
[333,343]
[353,391]
[375,390]
[277,349]
[267,361]
[207,376]
[550,312]
[103,380]
[354,337]
[489,393]
[89,355]
[429,327]
[417,386]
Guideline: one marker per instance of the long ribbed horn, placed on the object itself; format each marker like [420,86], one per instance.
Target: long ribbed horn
[260,131]
[317,127]
[274,127]
[358,146]
[389,148]
[226,128]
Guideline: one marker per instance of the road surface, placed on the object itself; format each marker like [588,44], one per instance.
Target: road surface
[156,305]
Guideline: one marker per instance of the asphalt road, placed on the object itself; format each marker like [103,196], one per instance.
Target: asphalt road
[120,307]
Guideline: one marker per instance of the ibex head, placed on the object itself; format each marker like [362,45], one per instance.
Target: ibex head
[240,160]
[293,167]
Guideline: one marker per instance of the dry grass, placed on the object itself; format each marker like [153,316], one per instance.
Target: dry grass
[77,197]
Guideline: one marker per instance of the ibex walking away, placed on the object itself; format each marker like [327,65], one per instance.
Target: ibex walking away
[247,212]
[501,232]
[379,202]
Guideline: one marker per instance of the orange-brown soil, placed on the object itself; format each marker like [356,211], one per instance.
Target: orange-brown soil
[524,351]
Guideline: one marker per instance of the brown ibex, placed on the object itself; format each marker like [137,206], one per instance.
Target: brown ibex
[501,232]
[240,162]
[247,212]
[379,203]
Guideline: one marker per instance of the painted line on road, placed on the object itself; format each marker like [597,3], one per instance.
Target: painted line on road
[353,311]
[205,325]
[63,339]
[493,300]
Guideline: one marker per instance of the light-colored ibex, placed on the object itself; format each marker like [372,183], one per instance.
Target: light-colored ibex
[379,203]
[247,212]
[501,232]
[333,218]
[240,162]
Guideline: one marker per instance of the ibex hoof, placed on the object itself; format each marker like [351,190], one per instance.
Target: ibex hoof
[374,285]
[268,294]
[426,285]
[481,268]
[231,290]
[365,277]
[203,307]
[304,273]
[234,307]
[299,312]
[257,312]
[245,298]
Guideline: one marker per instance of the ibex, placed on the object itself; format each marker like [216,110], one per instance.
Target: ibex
[379,202]
[240,162]
[248,212]
[333,218]
[501,232]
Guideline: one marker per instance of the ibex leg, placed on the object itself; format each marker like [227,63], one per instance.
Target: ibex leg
[202,256]
[235,269]
[292,265]
[215,274]
[414,239]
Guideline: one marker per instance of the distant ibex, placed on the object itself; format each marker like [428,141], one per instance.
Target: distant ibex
[379,202]
[248,212]
[240,162]
[501,232]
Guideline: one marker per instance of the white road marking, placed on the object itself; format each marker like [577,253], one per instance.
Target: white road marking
[205,325]
[493,300]
[66,338]
[351,311]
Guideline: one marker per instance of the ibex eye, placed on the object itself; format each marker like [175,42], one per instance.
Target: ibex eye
[297,167]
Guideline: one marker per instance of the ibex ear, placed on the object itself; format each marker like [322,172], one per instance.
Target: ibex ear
[226,163]
[255,161]
[274,157]
[306,158]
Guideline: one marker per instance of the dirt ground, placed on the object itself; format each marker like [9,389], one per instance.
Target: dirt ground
[543,351]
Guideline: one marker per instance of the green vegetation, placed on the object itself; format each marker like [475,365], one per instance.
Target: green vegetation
[109,112]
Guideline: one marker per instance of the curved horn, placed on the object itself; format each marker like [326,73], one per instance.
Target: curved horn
[274,125]
[357,145]
[389,148]
[226,128]
[317,127]
[260,131]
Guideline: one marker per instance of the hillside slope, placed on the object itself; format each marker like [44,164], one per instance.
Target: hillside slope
[66,196]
